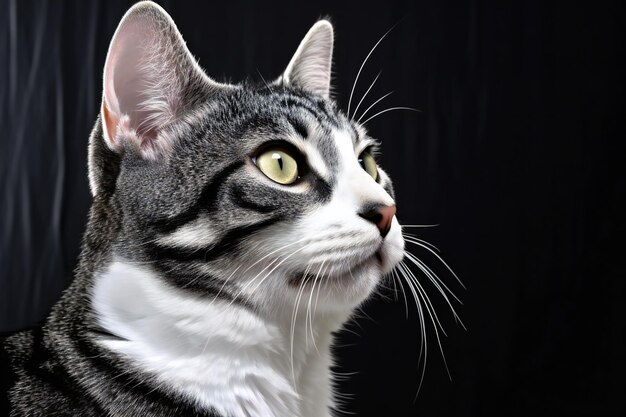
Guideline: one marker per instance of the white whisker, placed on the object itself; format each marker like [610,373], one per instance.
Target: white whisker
[406,304]
[373,104]
[428,305]
[294,317]
[356,109]
[438,257]
[273,252]
[390,109]
[420,225]
[412,236]
[433,316]
[224,283]
[356,80]
[276,266]
[395,287]
[423,345]
[434,278]
[318,293]
[318,278]
[428,273]
[264,82]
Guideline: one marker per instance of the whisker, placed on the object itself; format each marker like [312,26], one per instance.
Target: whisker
[406,304]
[356,109]
[440,259]
[356,80]
[433,317]
[224,283]
[264,82]
[390,109]
[276,266]
[420,225]
[318,293]
[438,282]
[412,236]
[273,252]
[373,104]
[308,318]
[404,272]
[246,285]
[395,287]
[318,278]
[423,345]
[433,278]
[429,306]
[294,317]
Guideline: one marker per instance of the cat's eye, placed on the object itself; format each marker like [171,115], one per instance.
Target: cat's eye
[278,166]
[368,163]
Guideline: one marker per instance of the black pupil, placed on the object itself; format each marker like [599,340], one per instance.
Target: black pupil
[279,159]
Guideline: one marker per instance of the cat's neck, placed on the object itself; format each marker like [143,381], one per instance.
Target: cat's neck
[223,355]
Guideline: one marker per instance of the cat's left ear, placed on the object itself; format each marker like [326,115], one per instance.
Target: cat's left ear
[151,80]
[310,67]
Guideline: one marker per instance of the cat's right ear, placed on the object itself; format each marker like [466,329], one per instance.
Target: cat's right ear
[150,80]
[310,67]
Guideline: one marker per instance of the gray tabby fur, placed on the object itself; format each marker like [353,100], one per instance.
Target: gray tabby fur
[201,173]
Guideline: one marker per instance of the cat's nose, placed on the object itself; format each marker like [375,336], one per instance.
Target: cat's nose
[381,216]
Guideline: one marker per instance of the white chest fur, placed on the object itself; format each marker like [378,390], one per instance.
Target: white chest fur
[220,355]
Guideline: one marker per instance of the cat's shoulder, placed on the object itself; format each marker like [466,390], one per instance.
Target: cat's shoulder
[29,385]
[15,351]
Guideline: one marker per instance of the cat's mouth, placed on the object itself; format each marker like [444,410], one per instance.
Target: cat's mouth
[319,273]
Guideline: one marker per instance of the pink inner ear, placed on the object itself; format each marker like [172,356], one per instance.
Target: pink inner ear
[124,77]
[109,124]
[138,80]
[150,78]
[110,106]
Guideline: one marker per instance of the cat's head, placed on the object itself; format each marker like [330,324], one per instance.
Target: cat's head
[256,192]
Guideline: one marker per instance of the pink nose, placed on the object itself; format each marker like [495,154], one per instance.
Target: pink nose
[381,216]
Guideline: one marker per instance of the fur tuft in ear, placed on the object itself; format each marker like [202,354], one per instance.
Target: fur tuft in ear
[150,80]
[310,67]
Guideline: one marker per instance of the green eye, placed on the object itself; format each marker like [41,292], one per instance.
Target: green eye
[369,164]
[278,166]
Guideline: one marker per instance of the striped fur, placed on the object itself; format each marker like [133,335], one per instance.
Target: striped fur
[204,288]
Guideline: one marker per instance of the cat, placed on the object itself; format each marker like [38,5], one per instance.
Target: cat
[233,229]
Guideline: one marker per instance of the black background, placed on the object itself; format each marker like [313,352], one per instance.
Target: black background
[517,154]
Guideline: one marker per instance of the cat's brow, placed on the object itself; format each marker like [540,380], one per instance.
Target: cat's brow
[356,136]
[314,157]
[365,143]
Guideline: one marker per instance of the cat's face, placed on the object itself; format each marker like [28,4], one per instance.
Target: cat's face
[265,194]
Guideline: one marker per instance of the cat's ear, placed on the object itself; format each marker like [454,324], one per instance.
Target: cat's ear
[150,80]
[310,67]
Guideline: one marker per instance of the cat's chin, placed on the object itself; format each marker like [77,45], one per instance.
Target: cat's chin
[344,287]
[340,277]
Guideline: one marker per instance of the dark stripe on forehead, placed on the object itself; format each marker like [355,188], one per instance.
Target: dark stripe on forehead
[322,105]
[299,126]
[296,109]
[319,104]
[319,112]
